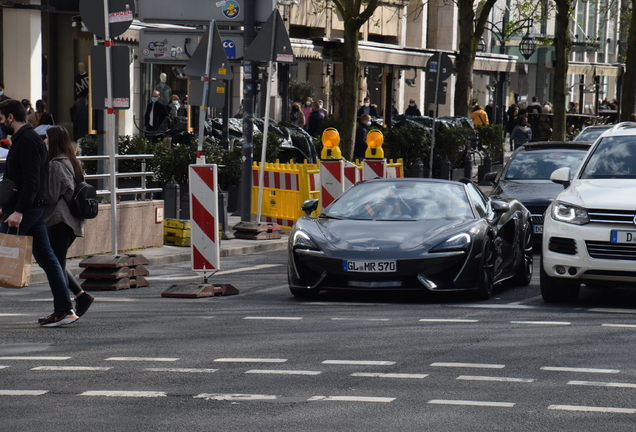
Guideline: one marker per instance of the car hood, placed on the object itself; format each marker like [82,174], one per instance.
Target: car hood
[608,194]
[366,235]
[528,191]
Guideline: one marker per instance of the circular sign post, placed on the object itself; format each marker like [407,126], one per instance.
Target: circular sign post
[120,15]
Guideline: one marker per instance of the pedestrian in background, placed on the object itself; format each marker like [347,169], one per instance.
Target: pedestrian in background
[175,105]
[65,171]
[296,116]
[41,116]
[315,118]
[183,110]
[156,112]
[307,110]
[367,108]
[479,117]
[412,109]
[521,134]
[360,146]
[323,112]
[28,107]
[28,167]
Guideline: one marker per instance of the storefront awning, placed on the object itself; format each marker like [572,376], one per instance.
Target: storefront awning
[590,69]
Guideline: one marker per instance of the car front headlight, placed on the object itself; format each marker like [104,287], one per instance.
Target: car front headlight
[301,240]
[456,242]
[568,213]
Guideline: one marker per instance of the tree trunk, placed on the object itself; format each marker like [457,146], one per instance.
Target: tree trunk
[351,69]
[628,94]
[563,46]
[465,61]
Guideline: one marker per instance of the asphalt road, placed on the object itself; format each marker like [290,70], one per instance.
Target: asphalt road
[266,361]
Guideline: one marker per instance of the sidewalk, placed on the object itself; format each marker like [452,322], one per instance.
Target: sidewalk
[169,254]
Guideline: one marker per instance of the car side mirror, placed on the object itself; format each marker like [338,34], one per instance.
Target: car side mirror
[500,206]
[309,206]
[491,176]
[561,176]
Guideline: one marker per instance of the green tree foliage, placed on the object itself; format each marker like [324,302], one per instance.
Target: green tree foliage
[299,91]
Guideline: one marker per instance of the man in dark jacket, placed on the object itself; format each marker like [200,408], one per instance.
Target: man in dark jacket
[156,112]
[28,167]
[360,145]
[315,118]
[412,110]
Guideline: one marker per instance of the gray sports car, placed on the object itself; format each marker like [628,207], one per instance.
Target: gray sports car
[412,233]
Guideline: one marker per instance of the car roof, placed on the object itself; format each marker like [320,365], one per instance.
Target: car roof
[621,129]
[545,145]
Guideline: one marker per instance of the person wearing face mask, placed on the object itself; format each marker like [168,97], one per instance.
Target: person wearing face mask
[3,97]
[28,167]
[175,105]
[296,116]
[367,108]
[323,112]
[307,110]
[360,146]
[183,111]
[156,112]
[314,120]
[412,109]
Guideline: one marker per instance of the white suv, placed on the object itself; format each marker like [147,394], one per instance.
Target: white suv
[590,228]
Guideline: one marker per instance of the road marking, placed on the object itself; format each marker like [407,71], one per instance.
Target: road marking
[618,311]
[528,300]
[360,319]
[352,399]
[340,304]
[450,320]
[573,369]
[121,393]
[592,409]
[496,306]
[22,392]
[231,397]
[13,314]
[250,360]
[469,365]
[282,372]
[619,325]
[185,370]
[388,375]
[499,379]
[602,384]
[273,318]
[158,359]
[70,368]
[3,367]
[359,362]
[34,358]
[541,322]
[220,273]
[471,403]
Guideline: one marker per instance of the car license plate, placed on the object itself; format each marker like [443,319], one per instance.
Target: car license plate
[537,229]
[368,266]
[623,236]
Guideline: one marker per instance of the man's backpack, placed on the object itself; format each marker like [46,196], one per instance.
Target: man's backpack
[83,204]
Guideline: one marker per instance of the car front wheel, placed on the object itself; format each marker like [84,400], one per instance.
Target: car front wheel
[558,290]
[523,276]
[486,270]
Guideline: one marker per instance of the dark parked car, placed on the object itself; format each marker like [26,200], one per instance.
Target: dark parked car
[526,176]
[403,234]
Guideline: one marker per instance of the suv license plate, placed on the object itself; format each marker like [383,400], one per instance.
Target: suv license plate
[537,229]
[623,236]
[369,266]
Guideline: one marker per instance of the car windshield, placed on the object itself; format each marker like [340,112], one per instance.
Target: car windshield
[539,164]
[402,200]
[590,134]
[613,157]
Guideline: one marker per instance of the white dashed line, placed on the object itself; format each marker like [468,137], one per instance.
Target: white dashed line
[469,365]
[617,311]
[244,269]
[352,399]
[497,306]
[360,319]
[541,322]
[573,369]
[472,403]
[619,325]
[450,320]
[232,397]
[146,359]
[35,358]
[3,367]
[498,379]
[250,360]
[184,370]
[272,318]
[12,314]
[70,368]
[23,392]
[602,384]
[388,375]
[592,409]
[359,362]
[282,372]
[119,393]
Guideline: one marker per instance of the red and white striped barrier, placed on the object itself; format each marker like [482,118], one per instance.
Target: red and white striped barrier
[204,210]
[395,170]
[332,181]
[372,168]
[351,175]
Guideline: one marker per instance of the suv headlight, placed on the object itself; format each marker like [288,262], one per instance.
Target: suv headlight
[459,241]
[569,213]
[301,240]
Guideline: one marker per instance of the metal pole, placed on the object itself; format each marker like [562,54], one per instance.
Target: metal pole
[206,91]
[248,119]
[439,63]
[111,137]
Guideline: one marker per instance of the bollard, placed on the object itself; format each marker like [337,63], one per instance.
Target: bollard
[226,234]
[171,199]
[419,169]
[445,170]
[487,164]
[480,174]
[468,167]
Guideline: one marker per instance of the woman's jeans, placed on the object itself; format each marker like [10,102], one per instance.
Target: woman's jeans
[62,237]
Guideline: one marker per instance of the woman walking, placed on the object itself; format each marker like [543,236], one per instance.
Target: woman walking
[65,171]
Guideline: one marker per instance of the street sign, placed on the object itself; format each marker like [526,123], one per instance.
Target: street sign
[219,66]
[216,93]
[161,46]
[120,16]
[201,11]
[446,66]
[430,91]
[120,70]
[267,48]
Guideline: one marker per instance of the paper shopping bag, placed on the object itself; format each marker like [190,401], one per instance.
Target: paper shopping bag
[15,260]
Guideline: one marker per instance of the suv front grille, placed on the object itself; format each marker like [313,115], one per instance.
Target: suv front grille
[562,245]
[612,216]
[537,214]
[611,251]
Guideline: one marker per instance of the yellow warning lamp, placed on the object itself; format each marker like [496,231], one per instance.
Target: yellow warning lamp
[330,144]
[375,139]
